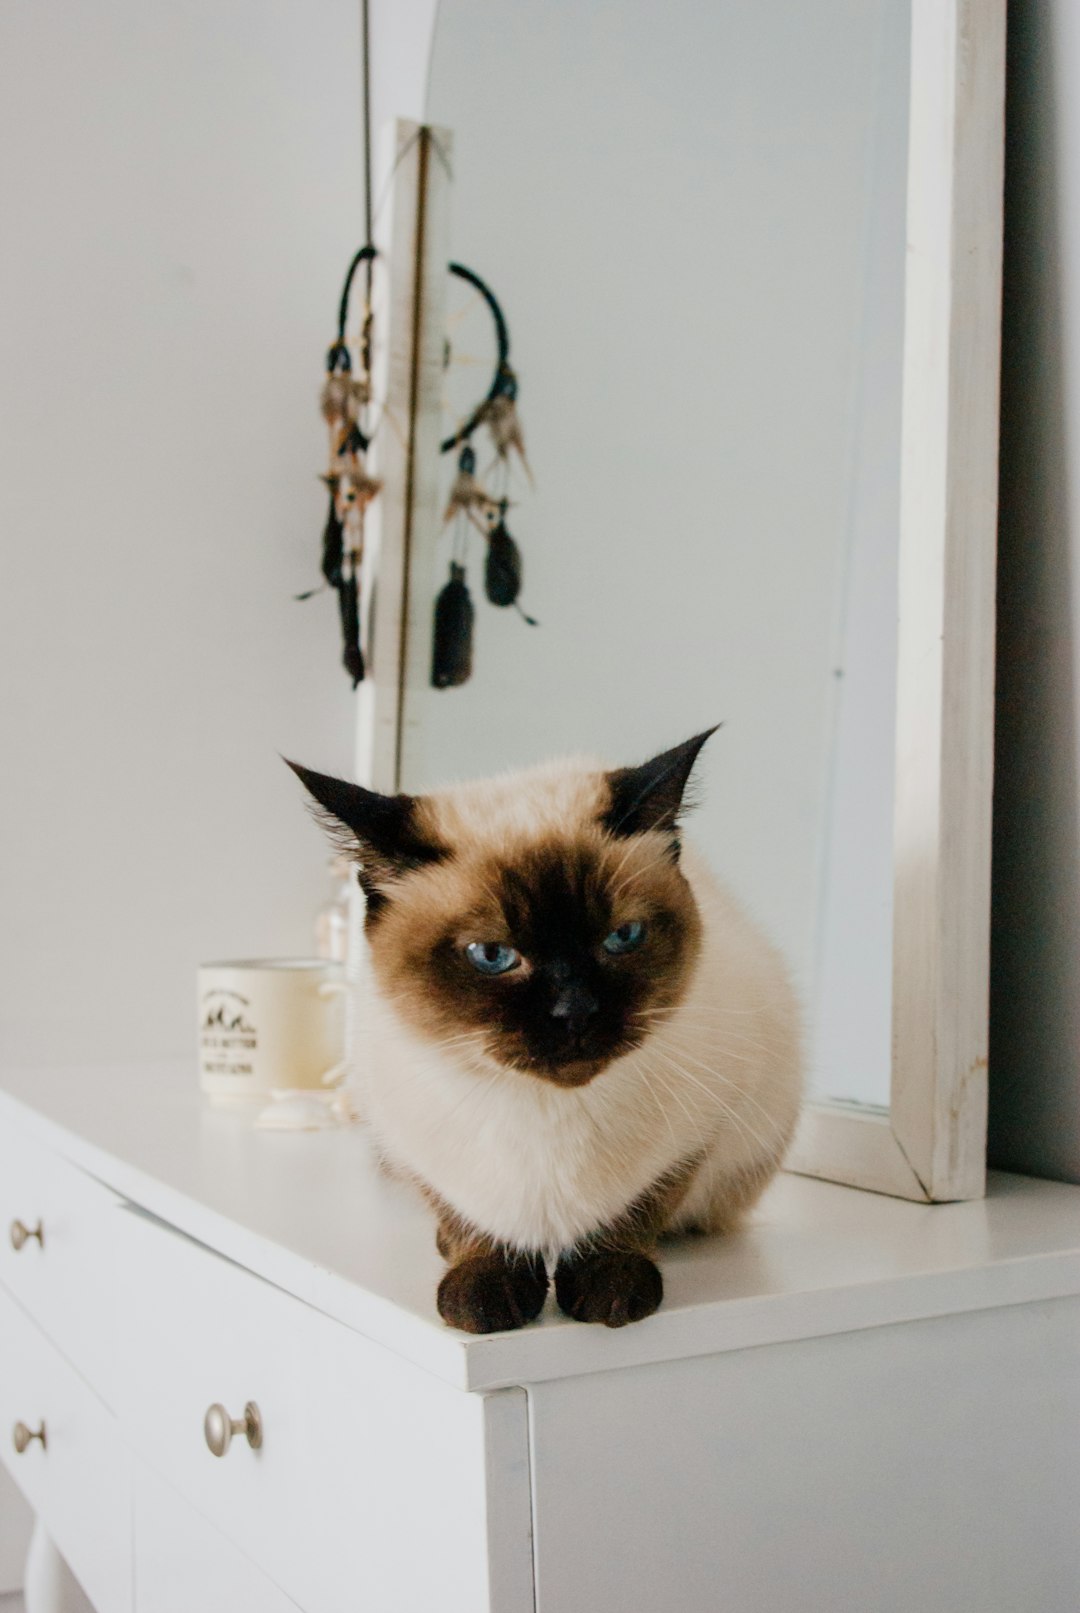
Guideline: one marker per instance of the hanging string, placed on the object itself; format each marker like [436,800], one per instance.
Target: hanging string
[365,68]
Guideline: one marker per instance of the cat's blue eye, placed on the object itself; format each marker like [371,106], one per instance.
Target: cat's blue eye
[625,938]
[492,957]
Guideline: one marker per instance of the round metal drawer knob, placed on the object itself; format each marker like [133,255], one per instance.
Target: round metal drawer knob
[219,1427]
[21,1234]
[21,1436]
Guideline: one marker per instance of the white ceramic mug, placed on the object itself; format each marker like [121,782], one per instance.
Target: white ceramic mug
[268,1024]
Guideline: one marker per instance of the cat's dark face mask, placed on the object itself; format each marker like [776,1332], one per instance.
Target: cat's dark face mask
[554,957]
[573,956]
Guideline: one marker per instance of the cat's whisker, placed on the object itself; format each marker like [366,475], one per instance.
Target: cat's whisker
[739,1052]
[714,1039]
[767,1145]
[703,1142]
[639,873]
[629,852]
[428,1077]
[672,1057]
[663,1114]
[743,1092]
[677,1022]
[742,1049]
[721,1010]
[700,1013]
[482,1087]
[431,1065]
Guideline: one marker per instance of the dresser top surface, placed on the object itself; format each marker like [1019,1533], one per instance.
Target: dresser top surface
[310,1212]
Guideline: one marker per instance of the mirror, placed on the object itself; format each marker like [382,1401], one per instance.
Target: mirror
[695,226]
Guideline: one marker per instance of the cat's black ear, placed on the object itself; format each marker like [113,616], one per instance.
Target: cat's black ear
[381,833]
[652,796]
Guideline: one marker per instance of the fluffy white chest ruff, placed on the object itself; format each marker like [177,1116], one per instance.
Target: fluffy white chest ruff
[541,1166]
[528,1163]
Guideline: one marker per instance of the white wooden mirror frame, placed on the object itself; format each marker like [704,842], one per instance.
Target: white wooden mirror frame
[930,1143]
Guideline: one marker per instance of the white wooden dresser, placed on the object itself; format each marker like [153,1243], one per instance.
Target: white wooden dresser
[859,1403]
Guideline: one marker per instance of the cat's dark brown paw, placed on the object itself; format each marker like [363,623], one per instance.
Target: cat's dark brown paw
[608,1285]
[486,1294]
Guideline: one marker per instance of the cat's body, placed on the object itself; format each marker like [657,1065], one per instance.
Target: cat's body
[541,1166]
[595,1091]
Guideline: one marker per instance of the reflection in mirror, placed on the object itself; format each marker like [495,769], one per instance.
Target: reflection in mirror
[695,222]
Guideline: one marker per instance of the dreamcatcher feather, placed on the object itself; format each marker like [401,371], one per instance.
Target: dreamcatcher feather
[500,415]
[451,655]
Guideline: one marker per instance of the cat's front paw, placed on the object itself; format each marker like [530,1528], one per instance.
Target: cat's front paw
[608,1285]
[484,1294]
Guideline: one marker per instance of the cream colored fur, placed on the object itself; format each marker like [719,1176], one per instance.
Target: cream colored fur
[539,1166]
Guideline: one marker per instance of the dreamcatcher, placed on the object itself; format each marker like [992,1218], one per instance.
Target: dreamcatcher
[478,503]
[475,504]
[346,402]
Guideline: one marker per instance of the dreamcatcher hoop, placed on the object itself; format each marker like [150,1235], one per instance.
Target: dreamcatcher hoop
[338,357]
[503,382]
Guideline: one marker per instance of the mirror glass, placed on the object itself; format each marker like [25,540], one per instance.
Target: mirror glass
[694,219]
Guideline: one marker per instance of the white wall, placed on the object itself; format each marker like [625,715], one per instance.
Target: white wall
[400,42]
[181,191]
[1035,990]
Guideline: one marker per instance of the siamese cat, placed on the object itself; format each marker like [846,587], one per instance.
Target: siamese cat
[577,1041]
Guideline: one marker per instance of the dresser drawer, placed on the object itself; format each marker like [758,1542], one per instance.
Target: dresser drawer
[66,1277]
[367,1490]
[183,1564]
[79,1480]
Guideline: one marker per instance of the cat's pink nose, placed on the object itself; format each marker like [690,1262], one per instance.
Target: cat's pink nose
[576,1004]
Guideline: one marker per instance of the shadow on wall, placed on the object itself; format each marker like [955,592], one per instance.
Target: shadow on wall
[1035,958]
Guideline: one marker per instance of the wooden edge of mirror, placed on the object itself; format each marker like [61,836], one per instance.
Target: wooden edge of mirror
[931,1144]
[412,234]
